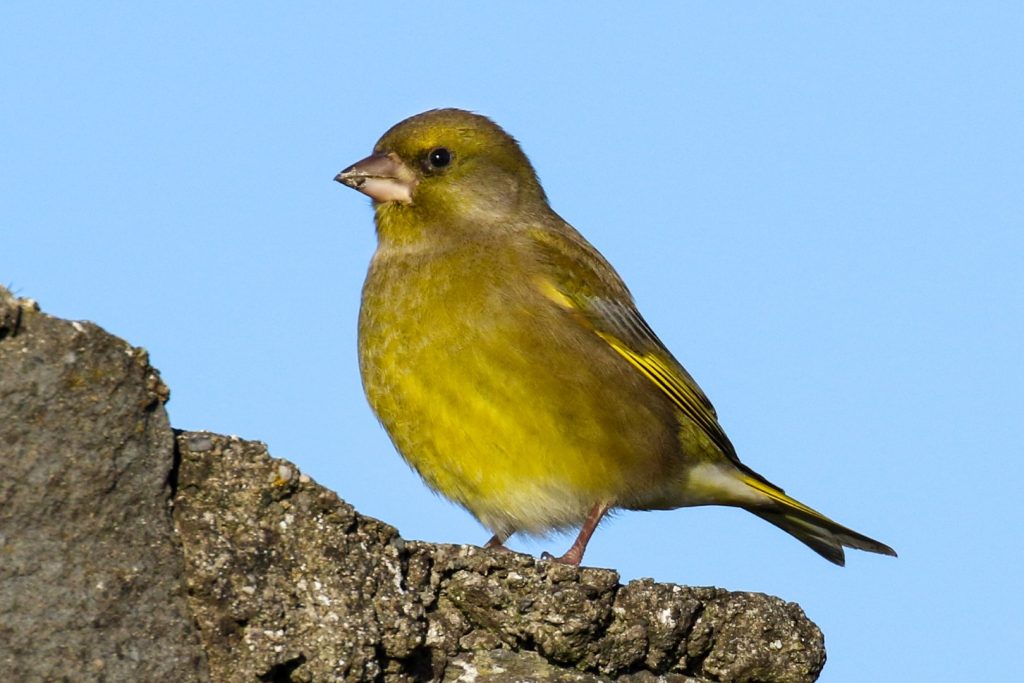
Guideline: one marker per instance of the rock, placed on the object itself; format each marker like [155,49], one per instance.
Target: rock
[91,584]
[285,577]
[263,575]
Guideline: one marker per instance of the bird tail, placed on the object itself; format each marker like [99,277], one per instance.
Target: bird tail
[818,532]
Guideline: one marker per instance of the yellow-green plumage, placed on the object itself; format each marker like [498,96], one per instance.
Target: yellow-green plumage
[507,360]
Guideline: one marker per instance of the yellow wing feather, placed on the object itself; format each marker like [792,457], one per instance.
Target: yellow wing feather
[682,393]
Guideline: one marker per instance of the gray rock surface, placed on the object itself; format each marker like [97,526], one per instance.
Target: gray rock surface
[91,584]
[260,574]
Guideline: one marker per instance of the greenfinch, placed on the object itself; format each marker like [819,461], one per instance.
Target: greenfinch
[509,364]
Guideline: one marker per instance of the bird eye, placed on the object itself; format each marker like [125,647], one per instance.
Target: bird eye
[439,157]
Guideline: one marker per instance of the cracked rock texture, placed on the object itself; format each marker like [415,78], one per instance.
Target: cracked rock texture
[129,552]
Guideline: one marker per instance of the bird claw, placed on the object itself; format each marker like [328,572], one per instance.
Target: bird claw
[569,558]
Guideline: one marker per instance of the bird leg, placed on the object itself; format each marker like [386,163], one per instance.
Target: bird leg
[574,555]
[497,541]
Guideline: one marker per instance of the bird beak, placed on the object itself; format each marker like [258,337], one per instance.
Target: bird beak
[382,177]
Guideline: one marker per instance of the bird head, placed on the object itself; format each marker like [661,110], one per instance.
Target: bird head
[446,166]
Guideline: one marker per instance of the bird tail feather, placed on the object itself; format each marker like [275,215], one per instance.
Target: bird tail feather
[818,532]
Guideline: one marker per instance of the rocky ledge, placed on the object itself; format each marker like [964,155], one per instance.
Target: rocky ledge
[129,551]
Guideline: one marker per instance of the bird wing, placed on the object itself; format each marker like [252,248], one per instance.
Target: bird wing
[580,279]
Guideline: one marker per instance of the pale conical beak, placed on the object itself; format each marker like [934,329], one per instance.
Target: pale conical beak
[382,177]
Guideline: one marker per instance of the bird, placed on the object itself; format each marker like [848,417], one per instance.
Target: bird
[509,364]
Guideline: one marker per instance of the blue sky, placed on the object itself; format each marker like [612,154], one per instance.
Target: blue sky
[818,207]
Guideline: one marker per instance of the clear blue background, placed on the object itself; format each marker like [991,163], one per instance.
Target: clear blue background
[818,207]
